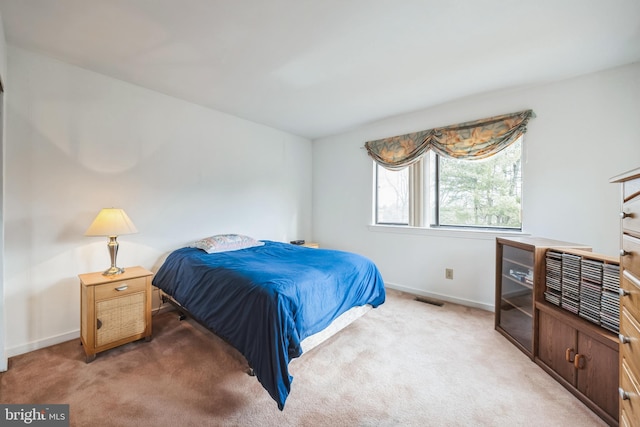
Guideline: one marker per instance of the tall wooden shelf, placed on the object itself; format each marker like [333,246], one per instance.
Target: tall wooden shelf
[629,361]
[573,348]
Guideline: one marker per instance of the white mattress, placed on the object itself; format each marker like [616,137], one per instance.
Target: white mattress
[338,324]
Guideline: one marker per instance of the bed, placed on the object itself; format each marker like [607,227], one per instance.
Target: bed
[269,298]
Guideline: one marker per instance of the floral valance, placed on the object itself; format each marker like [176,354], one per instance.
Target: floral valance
[470,140]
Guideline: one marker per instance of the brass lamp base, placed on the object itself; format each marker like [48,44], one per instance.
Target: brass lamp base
[112,271]
[113,253]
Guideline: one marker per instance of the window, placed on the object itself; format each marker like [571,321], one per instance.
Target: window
[462,175]
[392,196]
[483,193]
[479,193]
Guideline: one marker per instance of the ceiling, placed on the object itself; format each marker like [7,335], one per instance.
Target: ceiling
[317,68]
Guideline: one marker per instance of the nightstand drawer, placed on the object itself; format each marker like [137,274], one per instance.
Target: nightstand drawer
[120,288]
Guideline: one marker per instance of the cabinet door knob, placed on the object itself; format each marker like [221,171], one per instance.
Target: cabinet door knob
[122,288]
[579,361]
[623,339]
[98,323]
[568,355]
[623,292]
[624,253]
[624,215]
[624,395]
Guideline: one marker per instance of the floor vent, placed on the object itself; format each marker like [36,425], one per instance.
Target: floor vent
[429,301]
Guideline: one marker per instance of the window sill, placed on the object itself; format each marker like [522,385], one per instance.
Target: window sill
[481,234]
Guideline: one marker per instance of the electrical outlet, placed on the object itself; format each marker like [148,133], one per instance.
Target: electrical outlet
[448,273]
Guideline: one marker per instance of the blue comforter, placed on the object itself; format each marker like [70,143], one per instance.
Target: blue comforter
[265,300]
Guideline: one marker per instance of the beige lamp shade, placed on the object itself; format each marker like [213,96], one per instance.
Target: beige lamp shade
[111,222]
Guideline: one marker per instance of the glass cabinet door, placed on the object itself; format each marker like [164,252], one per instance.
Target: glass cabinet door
[516,295]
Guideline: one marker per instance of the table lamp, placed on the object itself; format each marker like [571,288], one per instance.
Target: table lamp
[112,223]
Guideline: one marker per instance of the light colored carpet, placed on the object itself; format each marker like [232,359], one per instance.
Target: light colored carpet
[405,363]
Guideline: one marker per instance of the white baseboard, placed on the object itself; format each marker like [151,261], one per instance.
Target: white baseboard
[454,300]
[46,342]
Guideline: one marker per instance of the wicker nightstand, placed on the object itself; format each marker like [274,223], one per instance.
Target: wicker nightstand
[114,310]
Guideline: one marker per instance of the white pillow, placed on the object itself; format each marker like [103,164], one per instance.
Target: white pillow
[225,242]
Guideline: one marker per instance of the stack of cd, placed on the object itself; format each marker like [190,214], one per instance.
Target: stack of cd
[610,302]
[571,282]
[553,292]
[611,277]
[590,289]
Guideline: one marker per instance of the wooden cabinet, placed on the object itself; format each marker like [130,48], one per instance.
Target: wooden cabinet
[581,356]
[629,361]
[578,322]
[520,271]
[114,310]
[569,345]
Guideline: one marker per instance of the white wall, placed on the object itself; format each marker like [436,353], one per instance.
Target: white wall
[586,131]
[78,141]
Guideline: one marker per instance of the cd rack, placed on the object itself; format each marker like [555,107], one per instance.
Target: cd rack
[584,283]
